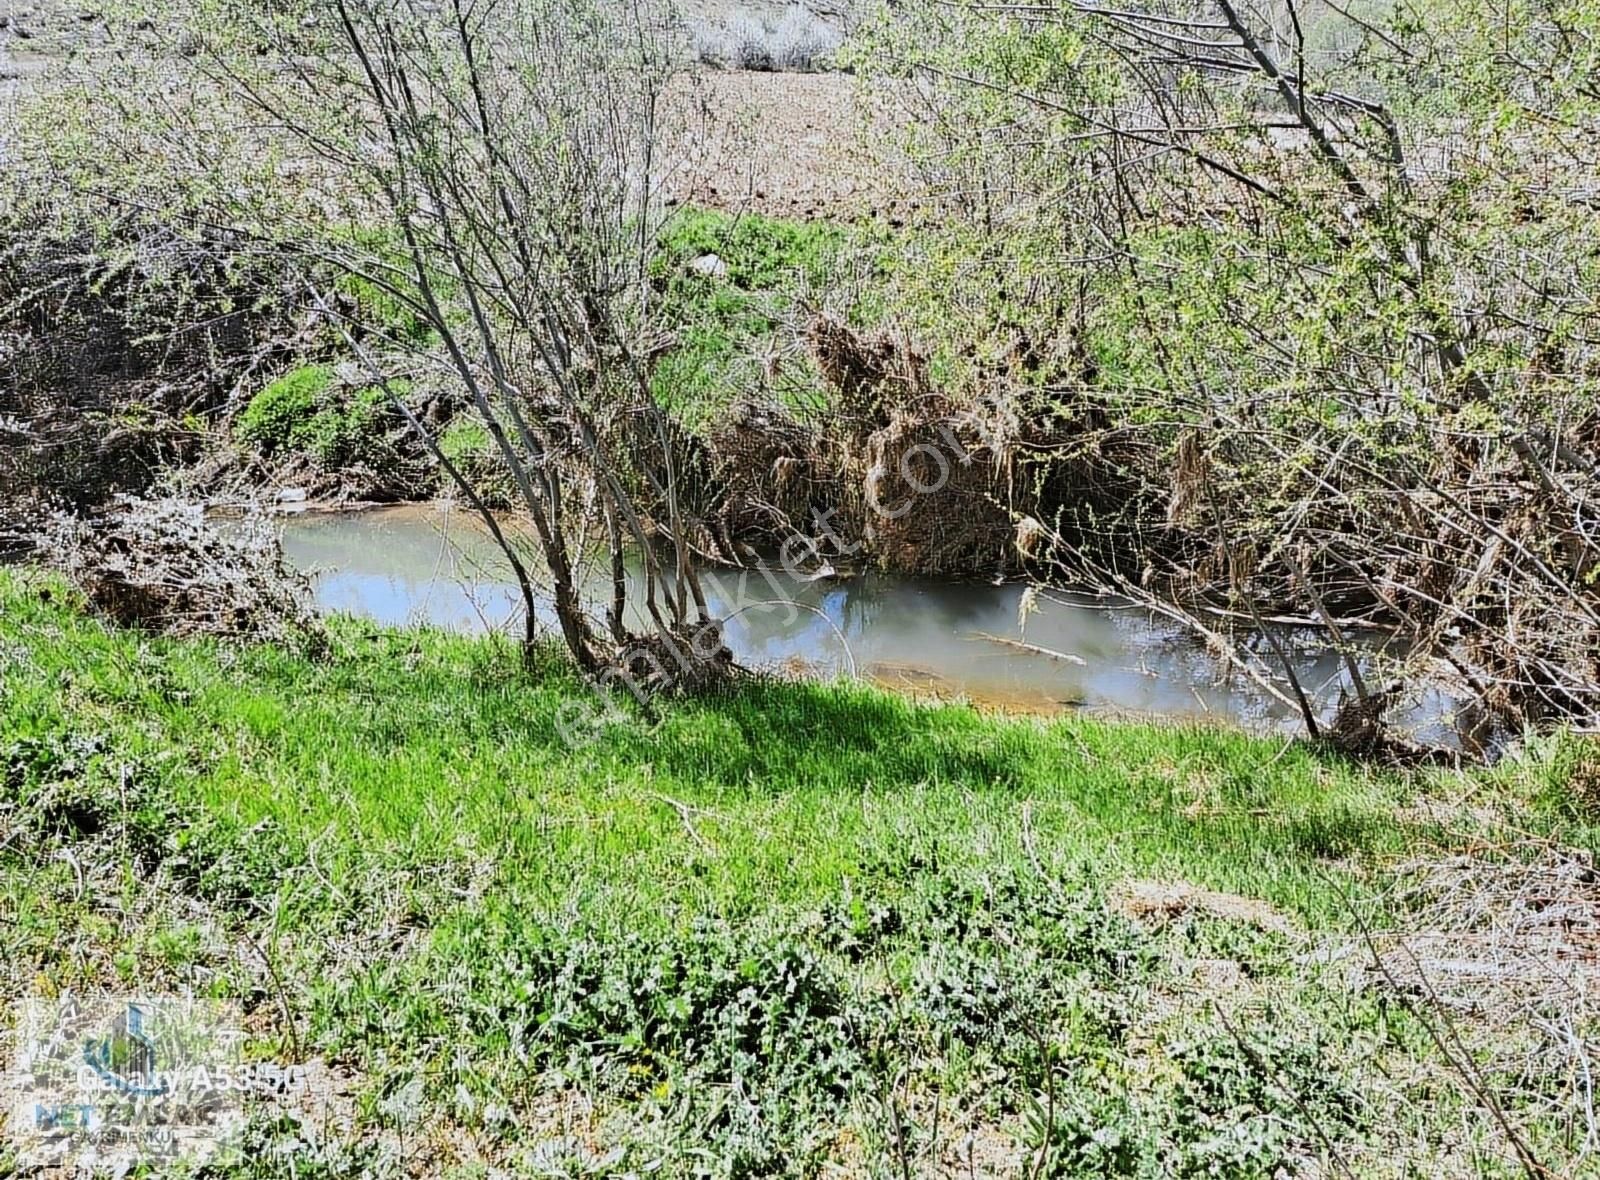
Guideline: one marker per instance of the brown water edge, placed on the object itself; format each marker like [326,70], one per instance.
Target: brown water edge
[926,684]
[929,639]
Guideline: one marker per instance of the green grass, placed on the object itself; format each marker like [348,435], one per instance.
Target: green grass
[465,439]
[724,323]
[382,249]
[830,901]
[422,741]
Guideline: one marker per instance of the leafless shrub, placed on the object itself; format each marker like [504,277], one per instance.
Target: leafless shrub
[161,565]
[749,44]
[503,163]
[801,41]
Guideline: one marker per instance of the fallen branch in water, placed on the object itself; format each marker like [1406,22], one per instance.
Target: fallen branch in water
[1030,648]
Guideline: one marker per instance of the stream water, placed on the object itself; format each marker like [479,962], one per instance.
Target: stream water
[437,565]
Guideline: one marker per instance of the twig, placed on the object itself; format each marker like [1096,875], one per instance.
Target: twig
[684,813]
[283,995]
[1030,648]
[1299,1103]
[1463,1065]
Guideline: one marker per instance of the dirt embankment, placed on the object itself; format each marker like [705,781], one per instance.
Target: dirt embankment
[777,141]
[783,144]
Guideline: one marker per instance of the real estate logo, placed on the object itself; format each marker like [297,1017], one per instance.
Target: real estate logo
[112,1082]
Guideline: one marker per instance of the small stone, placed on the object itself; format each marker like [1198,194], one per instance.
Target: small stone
[710,265]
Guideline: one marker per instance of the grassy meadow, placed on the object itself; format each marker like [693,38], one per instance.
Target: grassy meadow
[799,929]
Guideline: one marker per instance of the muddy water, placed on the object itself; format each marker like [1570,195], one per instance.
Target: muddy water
[438,566]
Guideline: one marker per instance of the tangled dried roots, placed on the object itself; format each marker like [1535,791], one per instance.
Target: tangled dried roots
[768,475]
[1030,536]
[689,661]
[940,498]
[871,374]
[160,565]
[1188,479]
[931,487]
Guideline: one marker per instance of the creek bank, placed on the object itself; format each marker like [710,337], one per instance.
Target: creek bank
[925,637]
[166,360]
[223,384]
[794,889]
[897,480]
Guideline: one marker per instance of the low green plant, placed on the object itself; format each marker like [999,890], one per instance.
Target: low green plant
[375,307]
[279,414]
[378,308]
[308,411]
[464,439]
[726,313]
[740,933]
[760,253]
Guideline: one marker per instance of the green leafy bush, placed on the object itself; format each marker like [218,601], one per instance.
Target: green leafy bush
[464,439]
[280,412]
[306,411]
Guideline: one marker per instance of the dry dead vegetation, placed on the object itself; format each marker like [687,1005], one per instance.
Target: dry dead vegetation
[161,565]
[1498,954]
[1164,901]
[918,481]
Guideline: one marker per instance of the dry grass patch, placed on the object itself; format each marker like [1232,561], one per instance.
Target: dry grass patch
[1156,903]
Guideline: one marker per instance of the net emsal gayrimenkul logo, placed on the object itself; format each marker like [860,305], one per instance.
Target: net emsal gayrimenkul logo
[126,1058]
[113,1082]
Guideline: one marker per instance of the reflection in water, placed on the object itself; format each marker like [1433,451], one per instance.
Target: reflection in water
[425,564]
